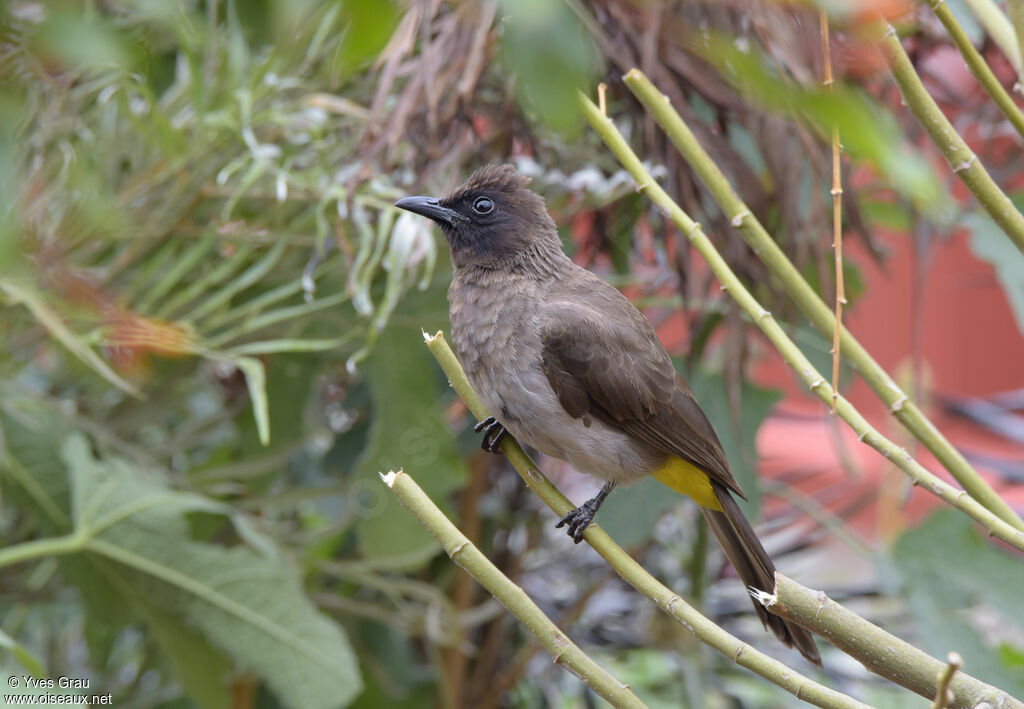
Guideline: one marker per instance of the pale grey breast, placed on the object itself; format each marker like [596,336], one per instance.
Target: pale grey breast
[495,333]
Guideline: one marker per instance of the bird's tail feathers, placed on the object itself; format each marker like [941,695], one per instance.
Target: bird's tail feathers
[755,568]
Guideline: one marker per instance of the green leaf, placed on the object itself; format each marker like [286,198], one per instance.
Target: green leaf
[215,299]
[739,444]
[367,29]
[49,319]
[408,432]
[82,42]
[886,213]
[248,603]
[32,469]
[630,514]
[23,655]
[256,383]
[201,668]
[952,577]
[990,244]
[292,345]
[867,130]
[544,45]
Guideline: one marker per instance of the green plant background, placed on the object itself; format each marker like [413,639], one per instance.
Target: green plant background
[212,343]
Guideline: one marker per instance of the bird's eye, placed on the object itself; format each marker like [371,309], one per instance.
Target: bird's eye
[483,205]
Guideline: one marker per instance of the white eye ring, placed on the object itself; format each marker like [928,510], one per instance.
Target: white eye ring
[483,205]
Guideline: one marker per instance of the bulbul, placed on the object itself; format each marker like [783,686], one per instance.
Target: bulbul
[566,364]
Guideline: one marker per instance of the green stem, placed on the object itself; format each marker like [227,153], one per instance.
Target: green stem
[1002,29]
[631,572]
[978,66]
[39,548]
[786,347]
[961,158]
[816,310]
[514,598]
[879,651]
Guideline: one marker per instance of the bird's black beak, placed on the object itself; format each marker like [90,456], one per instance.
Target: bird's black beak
[430,207]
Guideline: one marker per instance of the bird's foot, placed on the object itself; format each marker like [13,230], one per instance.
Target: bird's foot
[494,432]
[579,519]
[582,516]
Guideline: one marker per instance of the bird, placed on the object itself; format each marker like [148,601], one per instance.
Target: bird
[569,366]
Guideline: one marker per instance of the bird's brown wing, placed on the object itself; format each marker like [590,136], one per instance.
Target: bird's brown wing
[604,360]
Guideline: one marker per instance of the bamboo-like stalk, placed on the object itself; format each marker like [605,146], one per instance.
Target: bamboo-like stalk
[837,215]
[754,233]
[960,157]
[631,572]
[881,652]
[514,598]
[786,347]
[978,66]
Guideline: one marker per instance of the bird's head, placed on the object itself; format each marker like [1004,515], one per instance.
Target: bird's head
[491,219]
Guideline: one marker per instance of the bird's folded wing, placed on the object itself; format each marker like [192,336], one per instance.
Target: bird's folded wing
[609,364]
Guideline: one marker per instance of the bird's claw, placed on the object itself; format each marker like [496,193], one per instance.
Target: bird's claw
[494,432]
[578,520]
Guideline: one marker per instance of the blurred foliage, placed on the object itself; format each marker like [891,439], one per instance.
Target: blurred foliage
[989,244]
[869,132]
[211,335]
[539,35]
[977,610]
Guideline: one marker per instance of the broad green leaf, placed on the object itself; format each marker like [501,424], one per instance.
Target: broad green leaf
[990,244]
[953,578]
[33,472]
[247,603]
[407,432]
[138,553]
[202,670]
[36,480]
[385,646]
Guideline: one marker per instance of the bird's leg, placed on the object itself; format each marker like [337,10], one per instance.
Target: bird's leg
[493,433]
[583,515]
